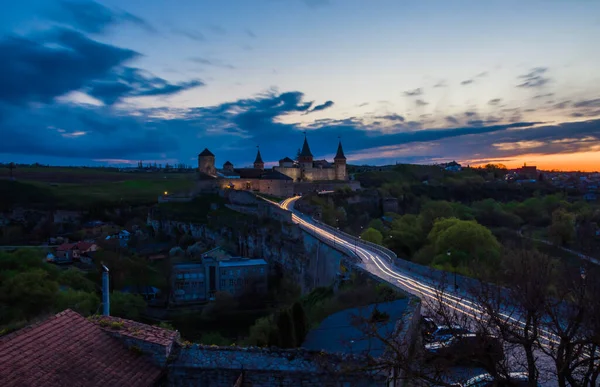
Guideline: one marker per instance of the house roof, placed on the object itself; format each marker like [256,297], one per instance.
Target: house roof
[69,350]
[305,152]
[66,246]
[227,163]
[206,152]
[286,160]
[340,153]
[85,245]
[137,330]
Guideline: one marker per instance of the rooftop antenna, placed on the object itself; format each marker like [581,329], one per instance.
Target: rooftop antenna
[105,292]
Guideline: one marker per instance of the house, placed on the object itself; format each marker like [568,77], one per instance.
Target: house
[197,282]
[69,252]
[86,354]
[453,167]
[590,197]
[236,275]
[123,237]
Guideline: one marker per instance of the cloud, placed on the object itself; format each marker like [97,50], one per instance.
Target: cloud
[323,106]
[211,62]
[495,101]
[470,114]
[93,17]
[467,82]
[134,82]
[420,102]
[193,35]
[59,62]
[451,120]
[250,33]
[413,93]
[588,103]
[441,83]
[482,75]
[546,95]
[363,104]
[535,78]
[392,117]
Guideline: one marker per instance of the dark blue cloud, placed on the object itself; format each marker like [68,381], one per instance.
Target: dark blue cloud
[93,17]
[321,107]
[134,82]
[58,62]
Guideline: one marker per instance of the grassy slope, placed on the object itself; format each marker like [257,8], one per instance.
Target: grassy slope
[73,188]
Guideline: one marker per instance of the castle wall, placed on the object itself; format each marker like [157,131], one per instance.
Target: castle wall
[294,173]
[282,188]
[340,171]
[319,174]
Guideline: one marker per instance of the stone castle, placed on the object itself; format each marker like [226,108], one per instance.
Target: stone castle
[286,179]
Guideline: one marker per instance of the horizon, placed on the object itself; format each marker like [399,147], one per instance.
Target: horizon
[113,82]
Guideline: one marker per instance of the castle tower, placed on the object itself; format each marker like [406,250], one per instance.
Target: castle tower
[206,162]
[305,158]
[258,162]
[228,166]
[339,162]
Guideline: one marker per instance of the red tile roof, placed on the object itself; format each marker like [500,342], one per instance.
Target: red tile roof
[83,246]
[66,246]
[134,329]
[68,350]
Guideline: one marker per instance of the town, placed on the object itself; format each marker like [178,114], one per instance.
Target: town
[312,193]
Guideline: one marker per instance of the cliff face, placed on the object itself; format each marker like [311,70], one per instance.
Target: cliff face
[308,261]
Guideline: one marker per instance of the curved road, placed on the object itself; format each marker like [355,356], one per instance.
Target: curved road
[377,263]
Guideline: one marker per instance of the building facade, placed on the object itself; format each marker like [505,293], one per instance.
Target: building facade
[198,282]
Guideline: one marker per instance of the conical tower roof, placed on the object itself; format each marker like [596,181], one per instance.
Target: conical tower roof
[340,153]
[305,152]
[259,159]
[206,152]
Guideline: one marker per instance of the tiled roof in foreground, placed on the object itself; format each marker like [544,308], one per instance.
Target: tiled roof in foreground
[68,350]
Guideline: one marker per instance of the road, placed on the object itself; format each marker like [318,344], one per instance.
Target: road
[376,262]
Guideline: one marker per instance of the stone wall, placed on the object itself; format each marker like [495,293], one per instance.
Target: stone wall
[306,187]
[200,366]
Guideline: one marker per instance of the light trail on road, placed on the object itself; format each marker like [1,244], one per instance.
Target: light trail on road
[372,260]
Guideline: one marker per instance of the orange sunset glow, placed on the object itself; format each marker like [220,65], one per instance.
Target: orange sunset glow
[580,161]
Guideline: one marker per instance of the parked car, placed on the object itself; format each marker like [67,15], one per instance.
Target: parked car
[444,332]
[428,326]
[466,348]
[515,379]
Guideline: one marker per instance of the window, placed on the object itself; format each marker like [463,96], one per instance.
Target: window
[231,282]
[239,272]
[179,275]
[222,283]
[193,275]
[230,272]
[223,272]
[262,270]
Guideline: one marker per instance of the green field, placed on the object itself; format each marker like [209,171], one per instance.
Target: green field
[75,188]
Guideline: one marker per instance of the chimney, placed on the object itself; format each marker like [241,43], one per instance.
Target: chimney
[105,292]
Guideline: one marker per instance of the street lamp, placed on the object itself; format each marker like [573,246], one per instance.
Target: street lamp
[453,264]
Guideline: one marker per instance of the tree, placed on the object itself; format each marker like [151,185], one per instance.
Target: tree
[466,240]
[377,224]
[223,303]
[432,211]
[127,305]
[81,302]
[28,294]
[299,320]
[76,280]
[285,328]
[372,235]
[562,229]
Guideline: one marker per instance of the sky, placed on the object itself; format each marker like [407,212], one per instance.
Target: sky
[119,81]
